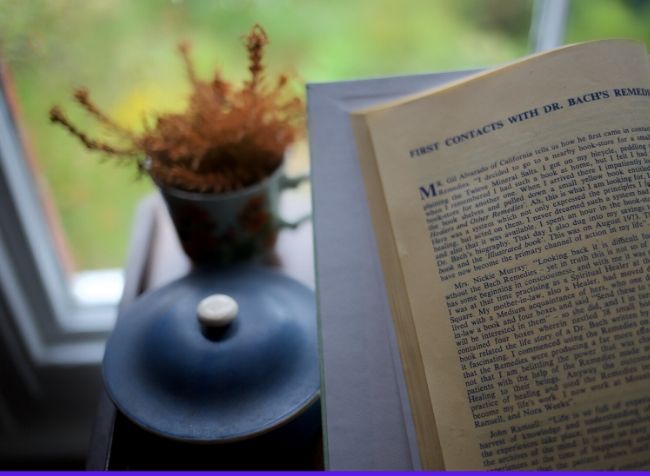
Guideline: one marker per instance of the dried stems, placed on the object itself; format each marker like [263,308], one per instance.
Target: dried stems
[228,137]
[255,43]
[57,116]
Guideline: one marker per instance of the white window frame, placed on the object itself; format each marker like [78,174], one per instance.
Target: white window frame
[58,326]
[548,24]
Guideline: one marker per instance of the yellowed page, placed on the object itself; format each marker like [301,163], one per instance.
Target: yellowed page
[519,205]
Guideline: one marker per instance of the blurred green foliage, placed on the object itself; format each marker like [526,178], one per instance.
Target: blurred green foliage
[124,52]
[597,19]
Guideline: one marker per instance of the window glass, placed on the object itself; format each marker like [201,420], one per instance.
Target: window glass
[124,52]
[596,19]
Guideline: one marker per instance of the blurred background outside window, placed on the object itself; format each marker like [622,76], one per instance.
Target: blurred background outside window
[124,52]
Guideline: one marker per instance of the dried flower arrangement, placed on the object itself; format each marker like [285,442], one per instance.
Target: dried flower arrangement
[228,138]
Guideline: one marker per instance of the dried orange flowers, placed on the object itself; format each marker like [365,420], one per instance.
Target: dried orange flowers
[229,137]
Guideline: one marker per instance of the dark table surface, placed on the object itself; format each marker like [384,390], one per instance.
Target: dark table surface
[155,258]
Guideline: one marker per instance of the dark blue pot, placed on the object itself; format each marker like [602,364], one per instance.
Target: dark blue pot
[171,377]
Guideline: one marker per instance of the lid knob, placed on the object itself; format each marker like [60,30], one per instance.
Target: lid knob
[217,310]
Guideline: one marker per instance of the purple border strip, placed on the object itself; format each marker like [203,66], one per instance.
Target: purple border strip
[300,473]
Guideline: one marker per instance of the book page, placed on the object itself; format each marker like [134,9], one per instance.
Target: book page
[518,266]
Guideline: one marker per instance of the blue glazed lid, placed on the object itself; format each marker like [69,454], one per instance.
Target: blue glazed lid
[171,376]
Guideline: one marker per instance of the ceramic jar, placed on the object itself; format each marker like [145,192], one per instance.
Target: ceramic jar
[227,228]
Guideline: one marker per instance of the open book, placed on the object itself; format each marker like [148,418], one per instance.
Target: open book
[512,217]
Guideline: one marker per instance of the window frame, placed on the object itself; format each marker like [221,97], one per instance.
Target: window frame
[548,24]
[57,327]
